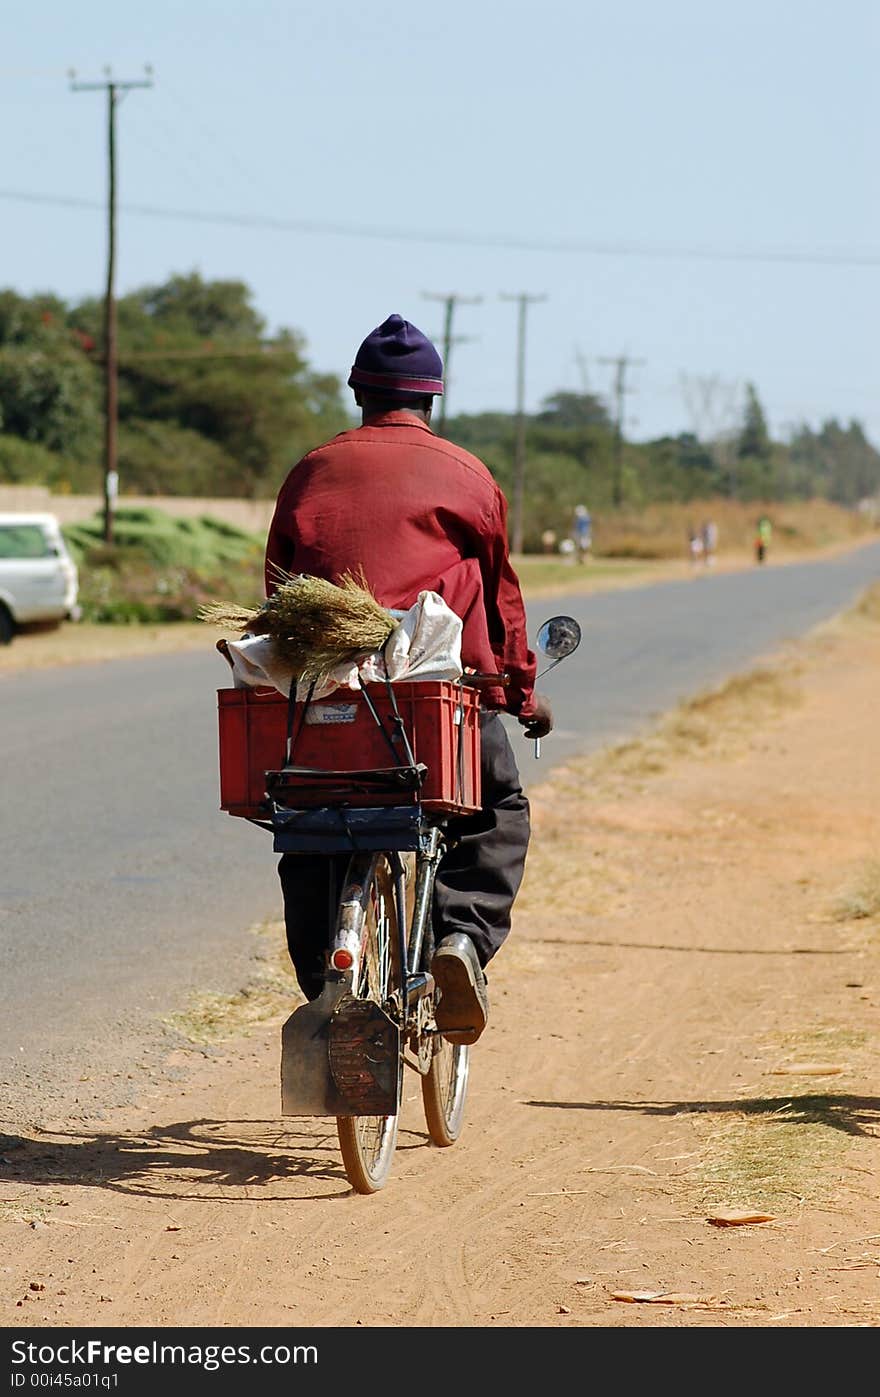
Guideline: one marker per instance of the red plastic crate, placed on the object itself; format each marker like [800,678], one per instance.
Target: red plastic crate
[441,721]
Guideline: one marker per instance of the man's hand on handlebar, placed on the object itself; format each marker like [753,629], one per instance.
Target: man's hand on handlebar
[539,723]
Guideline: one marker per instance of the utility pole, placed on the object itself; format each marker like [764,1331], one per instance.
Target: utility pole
[450,300]
[713,405]
[523,300]
[444,400]
[621,362]
[115,90]
[581,361]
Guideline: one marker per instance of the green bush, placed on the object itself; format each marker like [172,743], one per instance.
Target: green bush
[160,458]
[26,462]
[200,543]
[160,568]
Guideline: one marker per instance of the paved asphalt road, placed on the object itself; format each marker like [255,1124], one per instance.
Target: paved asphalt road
[122,887]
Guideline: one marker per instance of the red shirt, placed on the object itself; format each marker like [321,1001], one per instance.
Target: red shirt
[417,514]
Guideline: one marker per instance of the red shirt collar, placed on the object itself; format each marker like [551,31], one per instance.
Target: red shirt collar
[399,417]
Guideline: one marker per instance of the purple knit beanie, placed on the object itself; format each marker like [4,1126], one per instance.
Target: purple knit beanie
[397,358]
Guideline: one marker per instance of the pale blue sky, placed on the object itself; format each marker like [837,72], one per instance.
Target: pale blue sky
[747,129]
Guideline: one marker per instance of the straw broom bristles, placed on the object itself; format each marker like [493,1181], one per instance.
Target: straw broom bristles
[314,624]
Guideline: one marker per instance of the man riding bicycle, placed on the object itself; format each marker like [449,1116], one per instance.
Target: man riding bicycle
[416,513]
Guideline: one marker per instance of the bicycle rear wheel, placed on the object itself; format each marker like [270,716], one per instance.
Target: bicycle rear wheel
[444,1088]
[444,1085]
[367,1143]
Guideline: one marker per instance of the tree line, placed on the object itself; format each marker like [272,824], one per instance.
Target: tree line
[211,404]
[573,457]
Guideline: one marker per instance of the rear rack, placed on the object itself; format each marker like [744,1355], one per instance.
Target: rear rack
[294,783]
[344,829]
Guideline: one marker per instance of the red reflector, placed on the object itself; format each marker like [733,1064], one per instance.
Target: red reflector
[342,960]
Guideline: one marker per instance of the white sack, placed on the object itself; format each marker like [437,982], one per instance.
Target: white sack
[426,644]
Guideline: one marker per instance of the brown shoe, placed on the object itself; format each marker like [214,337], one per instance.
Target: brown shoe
[463,1003]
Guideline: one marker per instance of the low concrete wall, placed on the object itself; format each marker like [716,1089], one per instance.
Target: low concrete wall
[255,515]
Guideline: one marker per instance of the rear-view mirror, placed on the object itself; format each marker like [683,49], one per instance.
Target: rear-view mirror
[559,637]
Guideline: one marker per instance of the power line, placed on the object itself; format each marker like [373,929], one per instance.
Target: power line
[115,91]
[523,300]
[450,301]
[267,352]
[621,362]
[462,239]
[224,150]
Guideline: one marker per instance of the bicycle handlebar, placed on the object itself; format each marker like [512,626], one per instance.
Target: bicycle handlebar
[480,681]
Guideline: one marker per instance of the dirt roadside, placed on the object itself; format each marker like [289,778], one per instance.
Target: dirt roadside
[684,1022]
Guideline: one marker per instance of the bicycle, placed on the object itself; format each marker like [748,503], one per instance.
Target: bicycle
[344,1053]
[375,1019]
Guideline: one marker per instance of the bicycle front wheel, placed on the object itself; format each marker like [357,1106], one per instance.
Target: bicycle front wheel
[444,1088]
[367,1143]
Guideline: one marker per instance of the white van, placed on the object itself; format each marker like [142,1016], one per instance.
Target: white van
[38,577]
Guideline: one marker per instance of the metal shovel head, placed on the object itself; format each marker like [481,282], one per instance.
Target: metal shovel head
[365,1058]
[339,1057]
[307,1086]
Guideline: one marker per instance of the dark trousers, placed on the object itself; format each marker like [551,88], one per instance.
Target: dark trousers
[477,881]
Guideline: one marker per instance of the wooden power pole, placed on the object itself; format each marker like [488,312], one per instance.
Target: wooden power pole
[621,362]
[450,301]
[523,300]
[115,90]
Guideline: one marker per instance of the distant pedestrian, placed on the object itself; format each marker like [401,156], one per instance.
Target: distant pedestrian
[695,546]
[583,531]
[763,534]
[548,540]
[709,534]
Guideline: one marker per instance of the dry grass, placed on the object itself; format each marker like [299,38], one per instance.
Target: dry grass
[861,619]
[272,992]
[661,530]
[823,1042]
[772,1155]
[867,608]
[861,899]
[86,643]
[34,1208]
[781,1150]
[314,624]
[733,710]
[549,575]
[564,883]
[719,721]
